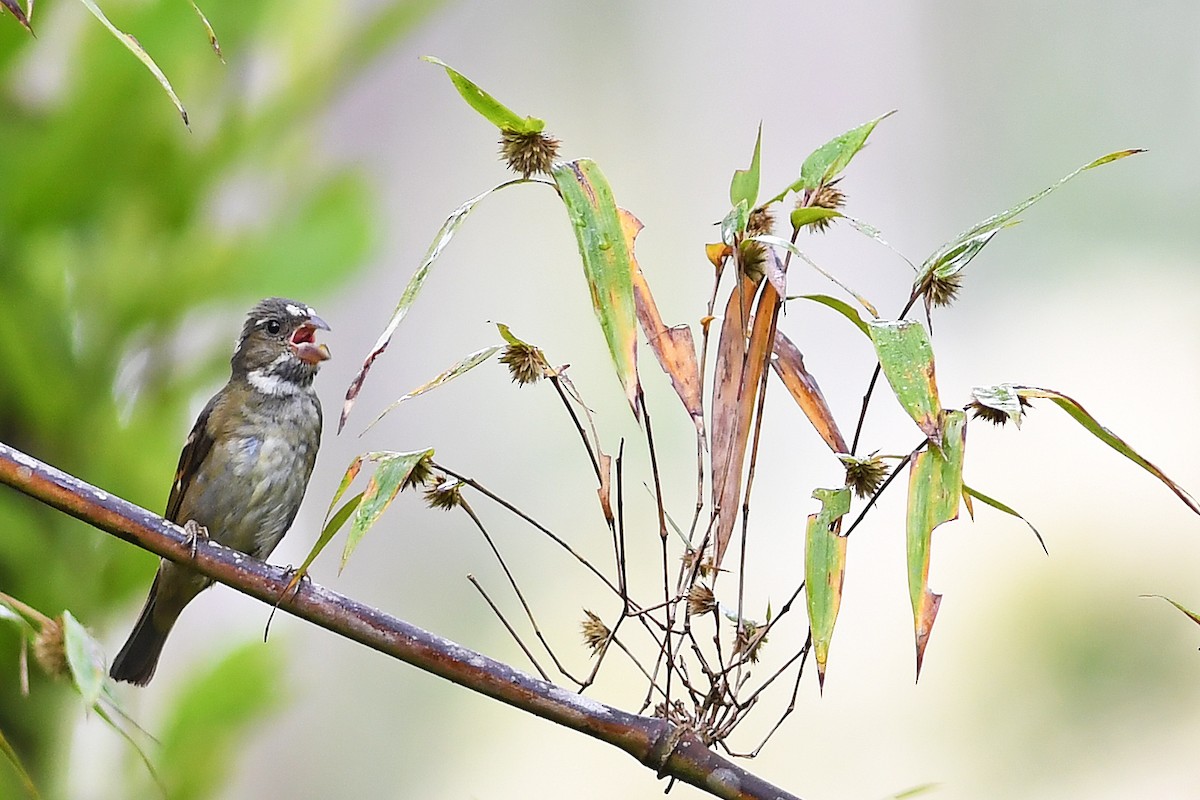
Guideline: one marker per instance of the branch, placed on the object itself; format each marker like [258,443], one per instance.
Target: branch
[672,751]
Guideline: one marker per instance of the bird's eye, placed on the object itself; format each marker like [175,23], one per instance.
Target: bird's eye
[273,327]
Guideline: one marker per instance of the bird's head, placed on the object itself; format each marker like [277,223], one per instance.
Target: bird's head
[277,352]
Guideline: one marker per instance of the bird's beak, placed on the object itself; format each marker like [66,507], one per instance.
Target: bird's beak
[304,341]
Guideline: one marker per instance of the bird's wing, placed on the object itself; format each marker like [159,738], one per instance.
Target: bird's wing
[195,450]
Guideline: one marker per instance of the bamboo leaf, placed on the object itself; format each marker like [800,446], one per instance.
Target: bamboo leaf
[607,265]
[136,48]
[969,493]
[85,658]
[906,358]
[674,347]
[934,491]
[208,28]
[788,364]
[411,291]
[825,570]
[840,306]
[391,475]
[827,161]
[461,367]
[1192,615]
[784,244]
[744,186]
[807,215]
[1002,397]
[739,375]
[22,774]
[488,107]
[955,254]
[1080,415]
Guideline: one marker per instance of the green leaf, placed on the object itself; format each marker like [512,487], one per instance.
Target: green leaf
[510,337]
[827,161]
[333,524]
[607,264]
[18,767]
[390,476]
[1080,415]
[825,569]
[136,48]
[1002,397]
[735,223]
[488,107]
[411,291]
[85,657]
[968,493]
[955,254]
[462,367]
[744,186]
[934,492]
[841,306]
[784,244]
[807,215]
[906,358]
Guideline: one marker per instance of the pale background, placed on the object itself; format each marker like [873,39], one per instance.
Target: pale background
[1045,677]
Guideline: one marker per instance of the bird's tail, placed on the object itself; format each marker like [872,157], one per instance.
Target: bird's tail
[139,657]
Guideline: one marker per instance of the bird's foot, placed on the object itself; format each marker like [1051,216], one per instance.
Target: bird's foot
[193,533]
[295,577]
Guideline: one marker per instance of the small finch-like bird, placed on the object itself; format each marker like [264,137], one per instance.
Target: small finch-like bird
[244,466]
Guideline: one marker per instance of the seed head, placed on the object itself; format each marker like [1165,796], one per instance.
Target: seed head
[528,153]
[595,632]
[996,416]
[864,475]
[824,196]
[762,221]
[421,475]
[444,494]
[749,640]
[49,649]
[753,258]
[526,363]
[701,600]
[941,291]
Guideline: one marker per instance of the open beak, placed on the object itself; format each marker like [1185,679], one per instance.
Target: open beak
[304,342]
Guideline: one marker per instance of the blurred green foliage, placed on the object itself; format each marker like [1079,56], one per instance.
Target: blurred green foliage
[129,247]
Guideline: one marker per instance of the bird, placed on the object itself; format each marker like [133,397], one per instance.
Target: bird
[244,467]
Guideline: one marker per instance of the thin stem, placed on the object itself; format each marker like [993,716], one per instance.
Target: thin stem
[511,631]
[465,506]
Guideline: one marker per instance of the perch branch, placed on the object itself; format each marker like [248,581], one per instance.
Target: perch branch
[672,751]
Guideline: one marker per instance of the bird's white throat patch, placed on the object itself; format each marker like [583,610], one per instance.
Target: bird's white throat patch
[268,381]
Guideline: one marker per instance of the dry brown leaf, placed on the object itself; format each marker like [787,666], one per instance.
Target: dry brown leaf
[789,366]
[674,347]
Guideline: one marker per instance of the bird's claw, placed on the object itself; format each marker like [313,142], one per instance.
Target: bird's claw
[193,532]
[295,579]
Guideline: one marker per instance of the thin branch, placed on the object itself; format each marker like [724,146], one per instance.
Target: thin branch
[512,581]
[671,751]
[511,631]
